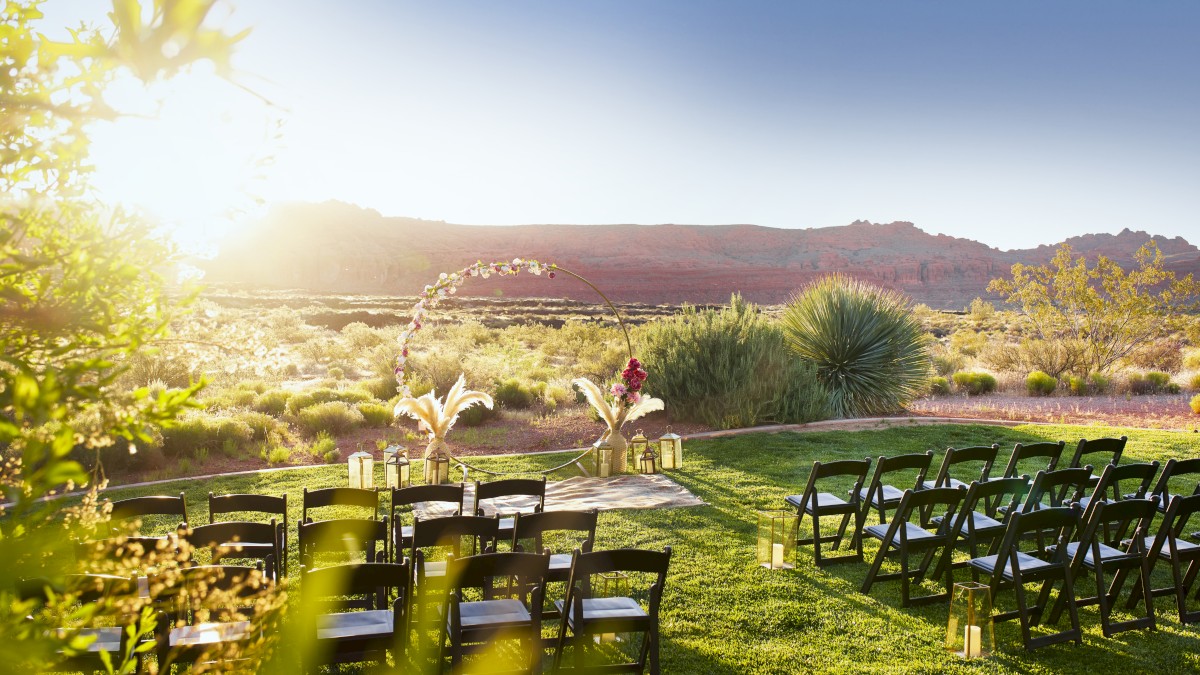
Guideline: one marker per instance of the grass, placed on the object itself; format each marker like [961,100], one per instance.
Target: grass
[724,614]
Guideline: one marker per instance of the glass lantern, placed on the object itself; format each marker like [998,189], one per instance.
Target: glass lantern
[648,461]
[638,445]
[777,538]
[397,469]
[670,450]
[362,470]
[603,459]
[437,468]
[612,585]
[969,631]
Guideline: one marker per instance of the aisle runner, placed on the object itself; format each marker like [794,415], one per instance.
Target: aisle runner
[638,491]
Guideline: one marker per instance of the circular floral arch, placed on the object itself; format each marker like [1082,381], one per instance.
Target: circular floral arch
[447,284]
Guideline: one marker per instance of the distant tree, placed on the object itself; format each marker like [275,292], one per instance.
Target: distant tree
[1107,310]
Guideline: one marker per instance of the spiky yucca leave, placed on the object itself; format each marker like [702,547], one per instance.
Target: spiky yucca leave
[439,415]
[869,351]
[613,413]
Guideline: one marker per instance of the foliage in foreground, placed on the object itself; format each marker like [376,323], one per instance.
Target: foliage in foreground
[869,351]
[729,368]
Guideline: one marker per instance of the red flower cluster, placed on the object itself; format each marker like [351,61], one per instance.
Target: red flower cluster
[634,375]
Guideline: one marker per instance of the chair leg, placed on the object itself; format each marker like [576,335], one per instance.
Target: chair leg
[1023,612]
[652,637]
[875,565]
[816,519]
[842,530]
[1072,607]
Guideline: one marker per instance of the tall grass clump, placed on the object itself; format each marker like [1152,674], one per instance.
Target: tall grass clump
[1040,384]
[729,367]
[335,417]
[868,349]
[975,383]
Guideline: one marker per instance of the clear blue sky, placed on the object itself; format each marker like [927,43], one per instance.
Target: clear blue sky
[1015,123]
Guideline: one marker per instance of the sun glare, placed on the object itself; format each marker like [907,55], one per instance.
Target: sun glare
[193,153]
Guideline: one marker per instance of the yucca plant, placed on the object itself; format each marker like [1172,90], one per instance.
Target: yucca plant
[870,353]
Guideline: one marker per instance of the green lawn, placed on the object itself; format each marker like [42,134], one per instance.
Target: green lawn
[724,614]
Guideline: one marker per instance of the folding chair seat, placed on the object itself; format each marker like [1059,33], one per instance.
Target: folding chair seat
[267,505]
[377,591]
[584,616]
[1167,546]
[510,590]
[1092,553]
[817,503]
[1010,565]
[339,496]
[125,510]
[240,540]
[881,496]
[448,496]
[344,537]
[903,538]
[984,455]
[980,521]
[530,532]
[1186,475]
[208,614]
[513,495]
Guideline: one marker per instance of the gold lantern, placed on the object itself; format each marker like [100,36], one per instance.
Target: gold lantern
[603,457]
[647,462]
[637,448]
[362,469]
[777,538]
[437,468]
[969,631]
[397,469]
[612,585]
[670,450]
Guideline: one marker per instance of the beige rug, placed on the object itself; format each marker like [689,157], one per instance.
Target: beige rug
[635,491]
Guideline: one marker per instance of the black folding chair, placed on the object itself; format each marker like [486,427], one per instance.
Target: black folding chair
[980,521]
[250,503]
[1024,452]
[207,613]
[339,496]
[239,540]
[443,537]
[1185,473]
[377,594]
[1013,566]
[881,496]
[125,510]
[1107,490]
[584,615]
[449,495]
[902,537]
[510,591]
[816,504]
[983,455]
[1091,552]
[534,488]
[1166,545]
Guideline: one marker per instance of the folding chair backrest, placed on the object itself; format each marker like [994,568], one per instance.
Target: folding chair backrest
[450,493]
[621,560]
[370,585]
[342,536]
[215,535]
[1108,449]
[993,494]
[1174,470]
[984,454]
[247,503]
[857,468]
[140,507]
[510,487]
[1179,512]
[917,461]
[535,525]
[1063,519]
[1141,475]
[1057,485]
[340,496]
[449,532]
[1136,513]
[914,501]
[485,570]
[1050,451]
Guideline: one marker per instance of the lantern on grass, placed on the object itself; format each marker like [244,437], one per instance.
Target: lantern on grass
[612,585]
[603,463]
[437,468]
[648,462]
[637,447]
[397,469]
[777,538]
[670,450]
[362,469]
[969,631]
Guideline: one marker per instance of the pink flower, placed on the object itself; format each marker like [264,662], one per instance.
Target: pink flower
[617,390]
[635,398]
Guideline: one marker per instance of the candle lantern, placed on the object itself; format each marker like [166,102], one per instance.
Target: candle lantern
[612,585]
[602,454]
[362,469]
[637,447]
[648,461]
[397,469]
[969,631]
[670,450]
[437,468]
[777,538]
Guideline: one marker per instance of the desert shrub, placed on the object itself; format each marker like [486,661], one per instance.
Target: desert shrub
[309,397]
[968,342]
[323,444]
[1100,383]
[1194,383]
[476,415]
[273,402]
[948,362]
[981,310]
[256,386]
[1191,360]
[1040,384]
[728,367]
[975,383]
[1160,355]
[335,417]
[375,414]
[869,351]
[332,457]
[361,337]
[1053,357]
[1077,385]
[279,455]
[514,394]
[939,386]
[144,367]
[382,388]
[336,372]
[555,395]
[1159,382]
[1195,403]
[264,426]
[201,430]
[241,398]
